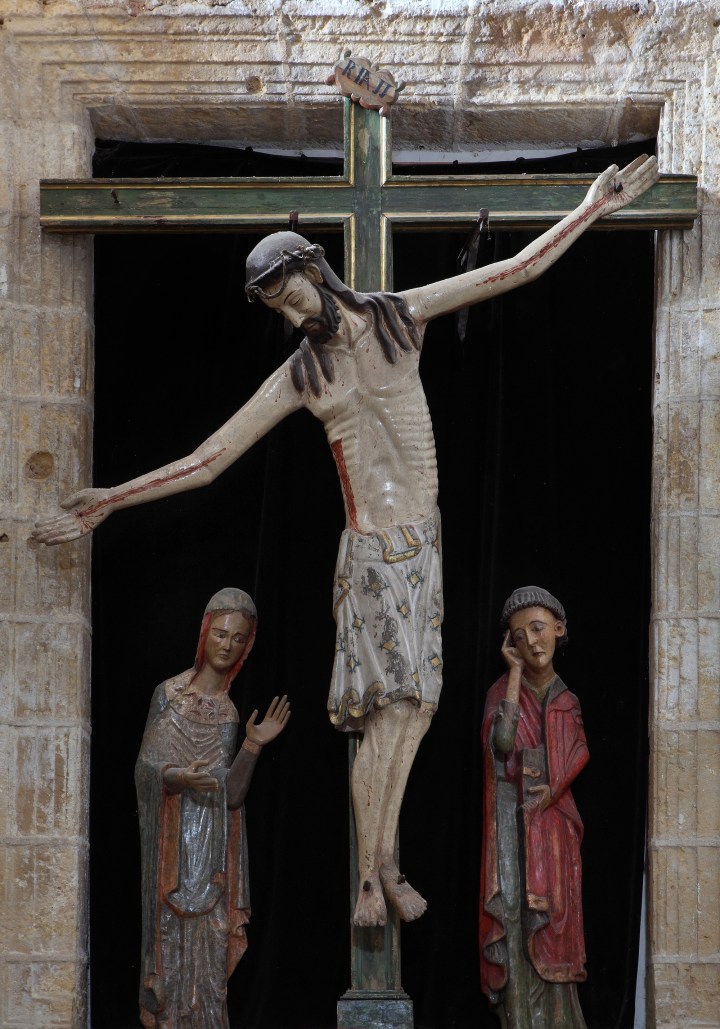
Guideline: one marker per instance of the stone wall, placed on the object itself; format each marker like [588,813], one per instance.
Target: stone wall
[480,75]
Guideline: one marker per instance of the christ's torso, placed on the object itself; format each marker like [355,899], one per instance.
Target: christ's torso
[378,424]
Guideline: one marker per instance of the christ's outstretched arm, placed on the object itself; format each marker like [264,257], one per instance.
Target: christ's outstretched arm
[86,509]
[610,192]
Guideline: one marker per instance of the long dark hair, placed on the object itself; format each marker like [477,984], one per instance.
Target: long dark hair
[282,252]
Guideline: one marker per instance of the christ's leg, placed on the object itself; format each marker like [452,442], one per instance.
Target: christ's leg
[384,731]
[380,773]
[407,901]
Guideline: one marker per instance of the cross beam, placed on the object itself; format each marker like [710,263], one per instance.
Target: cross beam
[367,202]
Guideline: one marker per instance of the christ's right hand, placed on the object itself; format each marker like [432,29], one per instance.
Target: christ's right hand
[84,511]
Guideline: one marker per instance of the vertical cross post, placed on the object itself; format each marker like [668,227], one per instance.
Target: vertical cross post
[376,999]
[368,233]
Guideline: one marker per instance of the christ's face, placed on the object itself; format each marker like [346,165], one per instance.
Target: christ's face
[226,640]
[308,305]
[298,300]
[534,631]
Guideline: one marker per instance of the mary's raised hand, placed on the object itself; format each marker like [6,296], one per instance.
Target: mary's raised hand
[273,723]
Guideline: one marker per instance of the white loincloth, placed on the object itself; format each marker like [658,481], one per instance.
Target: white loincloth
[388,608]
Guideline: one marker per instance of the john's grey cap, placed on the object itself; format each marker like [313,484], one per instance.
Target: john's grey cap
[530,596]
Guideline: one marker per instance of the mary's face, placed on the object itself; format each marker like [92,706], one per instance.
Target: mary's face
[226,640]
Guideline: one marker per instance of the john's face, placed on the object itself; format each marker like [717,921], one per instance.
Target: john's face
[307,305]
[534,631]
[226,640]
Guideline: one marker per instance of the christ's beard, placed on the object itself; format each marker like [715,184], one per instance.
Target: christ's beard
[317,329]
[323,326]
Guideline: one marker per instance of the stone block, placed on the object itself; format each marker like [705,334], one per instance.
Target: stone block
[40,886]
[6,348]
[685,995]
[23,326]
[66,268]
[65,353]
[676,546]
[662,336]
[662,529]
[674,658]
[692,257]
[50,781]
[683,455]
[7,265]
[709,480]
[710,347]
[6,148]
[8,456]
[708,785]
[7,796]
[29,289]
[8,541]
[52,580]
[674,903]
[709,563]
[676,291]
[684,355]
[661,500]
[708,903]
[46,655]
[709,668]
[68,149]
[40,993]
[675,768]
[61,431]
[709,271]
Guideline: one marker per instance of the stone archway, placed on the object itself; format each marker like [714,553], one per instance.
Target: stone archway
[70,75]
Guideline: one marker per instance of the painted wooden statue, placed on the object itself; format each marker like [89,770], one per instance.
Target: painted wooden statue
[357,370]
[191,786]
[532,951]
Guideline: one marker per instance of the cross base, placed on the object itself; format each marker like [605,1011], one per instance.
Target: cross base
[375,1009]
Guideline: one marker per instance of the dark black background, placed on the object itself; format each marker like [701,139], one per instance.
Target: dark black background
[542,423]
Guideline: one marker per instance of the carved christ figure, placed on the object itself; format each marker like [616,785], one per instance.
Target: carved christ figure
[357,371]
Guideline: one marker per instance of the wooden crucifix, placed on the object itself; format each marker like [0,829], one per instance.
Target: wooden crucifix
[367,202]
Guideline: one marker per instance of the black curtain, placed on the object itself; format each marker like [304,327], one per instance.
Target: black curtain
[542,423]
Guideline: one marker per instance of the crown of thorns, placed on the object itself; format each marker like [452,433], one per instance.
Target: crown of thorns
[288,261]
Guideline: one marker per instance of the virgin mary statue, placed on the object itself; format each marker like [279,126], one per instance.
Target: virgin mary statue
[191,787]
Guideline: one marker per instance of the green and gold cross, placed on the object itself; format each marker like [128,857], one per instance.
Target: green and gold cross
[367,202]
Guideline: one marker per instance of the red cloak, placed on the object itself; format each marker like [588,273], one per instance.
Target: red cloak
[550,851]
